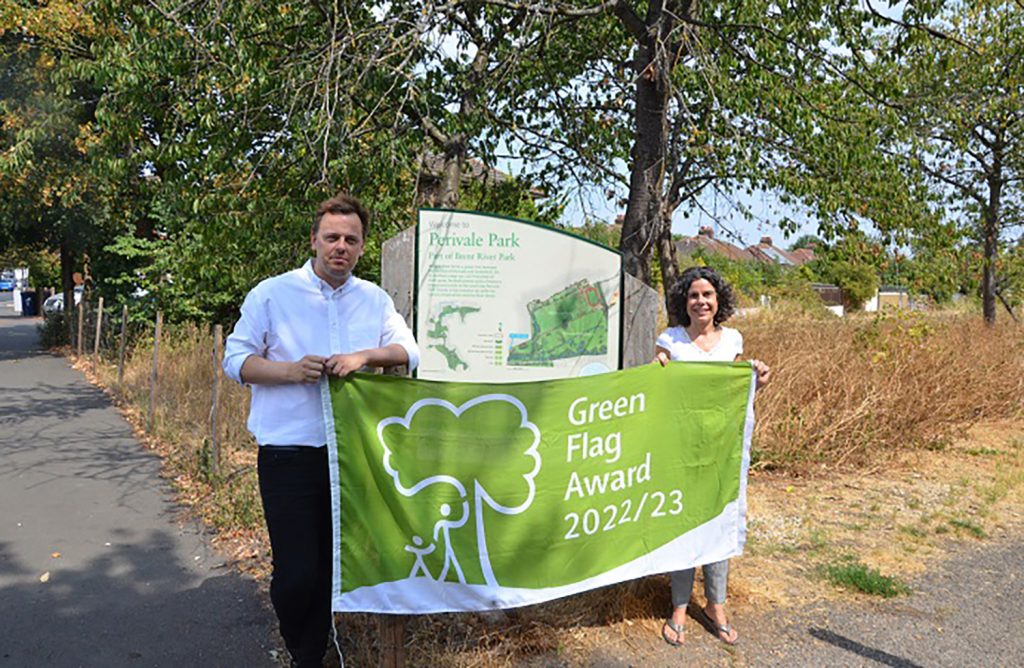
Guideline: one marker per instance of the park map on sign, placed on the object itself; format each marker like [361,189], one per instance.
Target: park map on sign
[570,323]
[437,335]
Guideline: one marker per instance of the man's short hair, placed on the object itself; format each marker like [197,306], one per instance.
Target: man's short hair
[341,204]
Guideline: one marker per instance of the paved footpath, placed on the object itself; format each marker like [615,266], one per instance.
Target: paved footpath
[967,611]
[97,565]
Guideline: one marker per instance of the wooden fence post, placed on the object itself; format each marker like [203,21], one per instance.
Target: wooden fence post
[218,342]
[398,276]
[392,633]
[81,324]
[120,347]
[69,322]
[99,327]
[153,372]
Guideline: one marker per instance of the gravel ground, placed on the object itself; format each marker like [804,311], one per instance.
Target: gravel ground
[968,611]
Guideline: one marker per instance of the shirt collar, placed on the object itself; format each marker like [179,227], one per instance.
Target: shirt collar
[322,285]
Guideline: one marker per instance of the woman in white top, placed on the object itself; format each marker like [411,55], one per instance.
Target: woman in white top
[702,301]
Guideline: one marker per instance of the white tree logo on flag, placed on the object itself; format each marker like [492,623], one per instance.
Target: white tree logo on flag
[500,421]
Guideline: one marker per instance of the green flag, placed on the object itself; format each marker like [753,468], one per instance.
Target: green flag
[467,496]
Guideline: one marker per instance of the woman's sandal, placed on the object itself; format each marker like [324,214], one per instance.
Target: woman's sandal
[725,632]
[675,628]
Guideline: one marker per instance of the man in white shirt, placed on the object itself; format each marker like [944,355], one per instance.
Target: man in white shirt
[293,329]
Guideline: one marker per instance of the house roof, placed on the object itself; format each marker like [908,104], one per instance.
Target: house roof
[766,251]
[802,255]
[705,239]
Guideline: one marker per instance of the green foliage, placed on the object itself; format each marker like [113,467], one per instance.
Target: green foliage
[224,126]
[48,193]
[218,141]
[983,452]
[859,282]
[852,574]
[42,263]
[1010,274]
[183,152]
[54,331]
[954,100]
[795,289]
[854,263]
[509,197]
[968,526]
[602,233]
[806,241]
[937,269]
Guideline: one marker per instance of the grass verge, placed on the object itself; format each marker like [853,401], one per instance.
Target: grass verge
[852,574]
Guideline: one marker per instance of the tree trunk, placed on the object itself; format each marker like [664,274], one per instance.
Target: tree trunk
[990,228]
[650,136]
[668,261]
[67,270]
[451,173]
[988,277]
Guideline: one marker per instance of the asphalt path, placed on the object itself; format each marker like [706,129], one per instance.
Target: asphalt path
[968,611]
[98,566]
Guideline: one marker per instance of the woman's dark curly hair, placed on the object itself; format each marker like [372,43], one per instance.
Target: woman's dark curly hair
[677,294]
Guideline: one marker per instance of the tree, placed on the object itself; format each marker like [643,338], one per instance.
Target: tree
[958,112]
[936,264]
[469,59]
[220,128]
[806,241]
[222,125]
[42,263]
[47,191]
[853,263]
[724,95]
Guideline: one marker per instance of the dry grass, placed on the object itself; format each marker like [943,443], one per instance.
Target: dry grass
[897,520]
[854,393]
[879,404]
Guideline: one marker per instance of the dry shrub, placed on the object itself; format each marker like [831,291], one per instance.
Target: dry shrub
[852,392]
[513,637]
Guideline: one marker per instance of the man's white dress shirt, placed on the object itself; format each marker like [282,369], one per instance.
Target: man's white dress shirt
[292,315]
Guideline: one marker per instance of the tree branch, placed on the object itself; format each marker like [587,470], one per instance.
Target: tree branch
[917,26]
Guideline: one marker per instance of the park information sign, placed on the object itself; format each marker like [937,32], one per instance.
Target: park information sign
[467,496]
[501,300]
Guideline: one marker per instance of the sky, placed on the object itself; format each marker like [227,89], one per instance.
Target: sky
[720,212]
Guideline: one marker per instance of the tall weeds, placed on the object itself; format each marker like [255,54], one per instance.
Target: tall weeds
[854,392]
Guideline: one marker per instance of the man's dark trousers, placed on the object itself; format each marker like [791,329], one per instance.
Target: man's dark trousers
[295,489]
